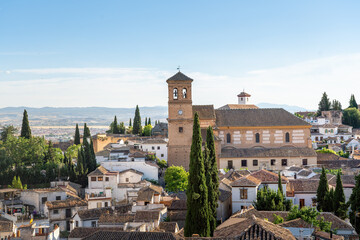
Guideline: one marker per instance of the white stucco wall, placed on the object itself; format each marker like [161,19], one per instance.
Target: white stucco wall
[150,172]
[237,202]
[160,153]
[131,176]
[307,197]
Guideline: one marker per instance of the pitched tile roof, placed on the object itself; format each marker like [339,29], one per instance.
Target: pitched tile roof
[82,232]
[257,117]
[238,227]
[232,152]
[347,180]
[146,193]
[70,202]
[238,106]
[326,236]
[100,171]
[117,235]
[204,111]
[247,181]
[155,141]
[95,213]
[305,173]
[114,219]
[147,215]
[268,177]
[232,175]
[5,225]
[179,76]
[169,226]
[224,195]
[328,157]
[243,94]
[178,205]
[132,170]
[304,185]
[296,223]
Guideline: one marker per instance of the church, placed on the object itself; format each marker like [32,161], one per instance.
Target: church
[246,137]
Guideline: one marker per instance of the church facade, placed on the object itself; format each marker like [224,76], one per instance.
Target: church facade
[246,137]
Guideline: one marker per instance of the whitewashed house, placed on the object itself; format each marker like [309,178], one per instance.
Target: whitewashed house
[157,146]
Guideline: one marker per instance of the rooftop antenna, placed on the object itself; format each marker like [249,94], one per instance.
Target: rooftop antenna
[178,68]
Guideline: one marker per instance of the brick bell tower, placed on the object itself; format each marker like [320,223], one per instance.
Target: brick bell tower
[180,120]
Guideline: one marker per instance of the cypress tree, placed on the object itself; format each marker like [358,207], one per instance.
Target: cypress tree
[322,191]
[352,102]
[355,205]
[146,122]
[213,183]
[86,133]
[25,128]
[339,206]
[324,104]
[149,121]
[130,122]
[137,122]
[197,219]
[280,189]
[115,126]
[336,105]
[92,157]
[329,201]
[77,135]
[50,154]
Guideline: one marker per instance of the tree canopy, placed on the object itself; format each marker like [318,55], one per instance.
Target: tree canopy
[137,122]
[25,128]
[351,116]
[176,179]
[336,105]
[352,102]
[324,104]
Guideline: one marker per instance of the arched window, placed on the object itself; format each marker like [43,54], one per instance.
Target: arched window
[332,130]
[326,130]
[287,137]
[184,92]
[257,137]
[175,93]
[228,138]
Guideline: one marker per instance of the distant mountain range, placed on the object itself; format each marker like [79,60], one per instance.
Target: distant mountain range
[99,116]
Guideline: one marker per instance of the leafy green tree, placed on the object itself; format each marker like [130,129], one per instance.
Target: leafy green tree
[322,191]
[269,200]
[137,122]
[340,207]
[176,179]
[147,130]
[163,164]
[324,104]
[16,183]
[122,128]
[72,151]
[351,116]
[212,178]
[309,215]
[354,202]
[336,105]
[278,219]
[25,128]
[7,131]
[77,135]
[197,215]
[352,102]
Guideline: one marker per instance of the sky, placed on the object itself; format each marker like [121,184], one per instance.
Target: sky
[120,53]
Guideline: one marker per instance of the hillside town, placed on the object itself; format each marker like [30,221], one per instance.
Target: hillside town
[233,172]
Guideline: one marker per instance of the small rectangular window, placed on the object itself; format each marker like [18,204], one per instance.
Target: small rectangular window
[158,147]
[162,155]
[304,162]
[153,148]
[77,223]
[100,179]
[99,205]
[127,179]
[272,161]
[181,129]
[56,211]
[230,164]
[43,200]
[243,193]
[283,162]
[255,162]
[58,197]
[106,179]
[93,179]
[106,204]
[93,223]
[244,163]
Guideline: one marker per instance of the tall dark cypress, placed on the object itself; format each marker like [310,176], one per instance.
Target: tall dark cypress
[322,191]
[149,121]
[213,190]
[130,122]
[86,133]
[25,128]
[137,122]
[355,205]
[279,184]
[146,121]
[197,215]
[77,135]
[115,126]
[92,157]
[340,207]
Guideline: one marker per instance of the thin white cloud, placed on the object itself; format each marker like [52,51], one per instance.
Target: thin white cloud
[299,84]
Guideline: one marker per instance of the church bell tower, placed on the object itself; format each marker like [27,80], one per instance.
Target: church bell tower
[180,120]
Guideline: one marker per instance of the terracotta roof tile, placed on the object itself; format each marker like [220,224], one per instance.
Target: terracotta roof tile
[268,177]
[247,181]
[70,202]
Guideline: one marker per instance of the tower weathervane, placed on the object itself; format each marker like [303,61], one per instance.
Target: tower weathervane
[178,68]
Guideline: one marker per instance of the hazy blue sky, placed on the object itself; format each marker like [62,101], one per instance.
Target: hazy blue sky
[118,54]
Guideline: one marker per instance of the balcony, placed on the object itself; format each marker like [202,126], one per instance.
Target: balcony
[98,193]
